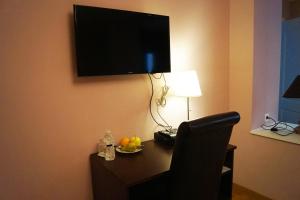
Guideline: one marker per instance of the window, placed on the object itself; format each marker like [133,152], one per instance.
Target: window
[289,109]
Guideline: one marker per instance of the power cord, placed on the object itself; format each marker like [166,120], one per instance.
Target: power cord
[162,101]
[277,126]
[167,126]
[153,75]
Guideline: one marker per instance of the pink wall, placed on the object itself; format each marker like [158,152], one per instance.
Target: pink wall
[264,165]
[51,121]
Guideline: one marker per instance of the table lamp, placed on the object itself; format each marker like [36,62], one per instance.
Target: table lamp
[293,91]
[186,84]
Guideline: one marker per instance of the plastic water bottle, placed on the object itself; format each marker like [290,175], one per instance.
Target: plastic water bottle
[110,152]
[110,148]
[101,148]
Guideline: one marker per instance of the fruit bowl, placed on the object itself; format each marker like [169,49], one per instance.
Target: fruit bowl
[120,150]
[132,145]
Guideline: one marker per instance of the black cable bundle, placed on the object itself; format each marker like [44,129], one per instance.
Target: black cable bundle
[277,126]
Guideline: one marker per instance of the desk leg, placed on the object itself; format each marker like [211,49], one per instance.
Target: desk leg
[227,178]
[105,185]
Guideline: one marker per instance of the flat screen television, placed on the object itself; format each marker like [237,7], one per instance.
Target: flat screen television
[113,42]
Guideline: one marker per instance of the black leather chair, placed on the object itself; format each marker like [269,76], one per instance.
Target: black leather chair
[198,157]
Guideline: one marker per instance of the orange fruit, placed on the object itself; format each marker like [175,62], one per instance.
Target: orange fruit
[124,141]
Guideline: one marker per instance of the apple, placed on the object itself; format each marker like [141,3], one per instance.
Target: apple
[136,140]
[131,146]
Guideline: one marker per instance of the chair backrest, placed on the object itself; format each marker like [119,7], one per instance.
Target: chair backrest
[198,156]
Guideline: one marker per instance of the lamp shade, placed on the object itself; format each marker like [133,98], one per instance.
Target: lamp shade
[185,84]
[294,89]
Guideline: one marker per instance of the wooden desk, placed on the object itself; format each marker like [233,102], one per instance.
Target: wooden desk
[114,180]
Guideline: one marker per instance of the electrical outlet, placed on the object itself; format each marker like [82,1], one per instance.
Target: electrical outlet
[267,117]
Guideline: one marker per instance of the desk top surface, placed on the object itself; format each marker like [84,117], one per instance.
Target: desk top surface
[131,169]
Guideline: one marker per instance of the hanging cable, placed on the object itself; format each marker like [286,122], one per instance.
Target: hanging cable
[161,74]
[168,126]
[162,101]
[164,79]
[150,105]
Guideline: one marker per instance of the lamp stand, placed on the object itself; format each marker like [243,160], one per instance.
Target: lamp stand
[188,108]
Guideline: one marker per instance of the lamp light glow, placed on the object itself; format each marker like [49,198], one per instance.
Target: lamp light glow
[185,84]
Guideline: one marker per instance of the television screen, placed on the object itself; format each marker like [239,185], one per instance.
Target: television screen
[111,42]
